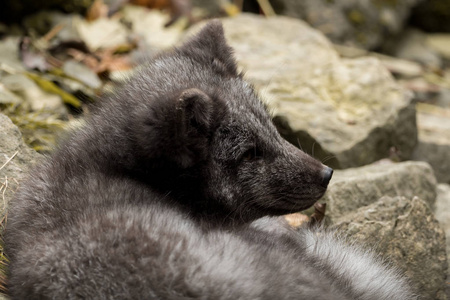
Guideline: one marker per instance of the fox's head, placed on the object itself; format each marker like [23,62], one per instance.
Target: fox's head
[199,130]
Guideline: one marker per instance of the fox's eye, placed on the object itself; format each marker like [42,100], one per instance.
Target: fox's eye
[252,154]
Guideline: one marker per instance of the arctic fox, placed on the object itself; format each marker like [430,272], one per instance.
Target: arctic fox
[171,191]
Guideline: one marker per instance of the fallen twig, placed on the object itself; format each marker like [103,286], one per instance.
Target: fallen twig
[9,159]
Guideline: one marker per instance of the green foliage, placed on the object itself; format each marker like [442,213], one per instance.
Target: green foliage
[39,128]
[356,17]
[50,87]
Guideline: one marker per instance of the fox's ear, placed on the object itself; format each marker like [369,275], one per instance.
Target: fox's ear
[193,116]
[174,131]
[210,46]
[193,113]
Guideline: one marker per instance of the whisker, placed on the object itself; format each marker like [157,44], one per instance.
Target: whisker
[289,198]
[300,145]
[327,158]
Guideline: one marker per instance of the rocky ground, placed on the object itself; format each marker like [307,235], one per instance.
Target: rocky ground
[384,122]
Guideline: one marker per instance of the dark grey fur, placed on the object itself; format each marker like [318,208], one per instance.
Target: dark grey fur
[153,197]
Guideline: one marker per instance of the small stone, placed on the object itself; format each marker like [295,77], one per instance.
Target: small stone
[434,139]
[440,42]
[401,67]
[364,24]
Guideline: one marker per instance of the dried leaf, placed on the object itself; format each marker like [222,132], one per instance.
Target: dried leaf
[296,220]
[101,33]
[50,87]
[97,10]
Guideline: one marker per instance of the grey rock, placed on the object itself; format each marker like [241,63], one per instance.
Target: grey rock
[440,42]
[442,209]
[412,45]
[442,213]
[405,232]
[15,158]
[354,188]
[434,139]
[359,23]
[422,89]
[443,99]
[401,68]
[349,111]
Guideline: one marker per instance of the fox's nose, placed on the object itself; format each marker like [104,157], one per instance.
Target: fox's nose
[326,176]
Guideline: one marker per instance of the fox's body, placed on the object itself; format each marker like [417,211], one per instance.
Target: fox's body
[155,197]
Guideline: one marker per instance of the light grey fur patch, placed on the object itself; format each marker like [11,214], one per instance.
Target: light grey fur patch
[367,276]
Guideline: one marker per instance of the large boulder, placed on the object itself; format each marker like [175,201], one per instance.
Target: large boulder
[405,232]
[363,24]
[389,207]
[357,187]
[15,158]
[434,139]
[442,213]
[348,111]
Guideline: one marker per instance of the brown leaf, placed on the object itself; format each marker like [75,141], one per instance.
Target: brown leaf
[97,10]
[296,220]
